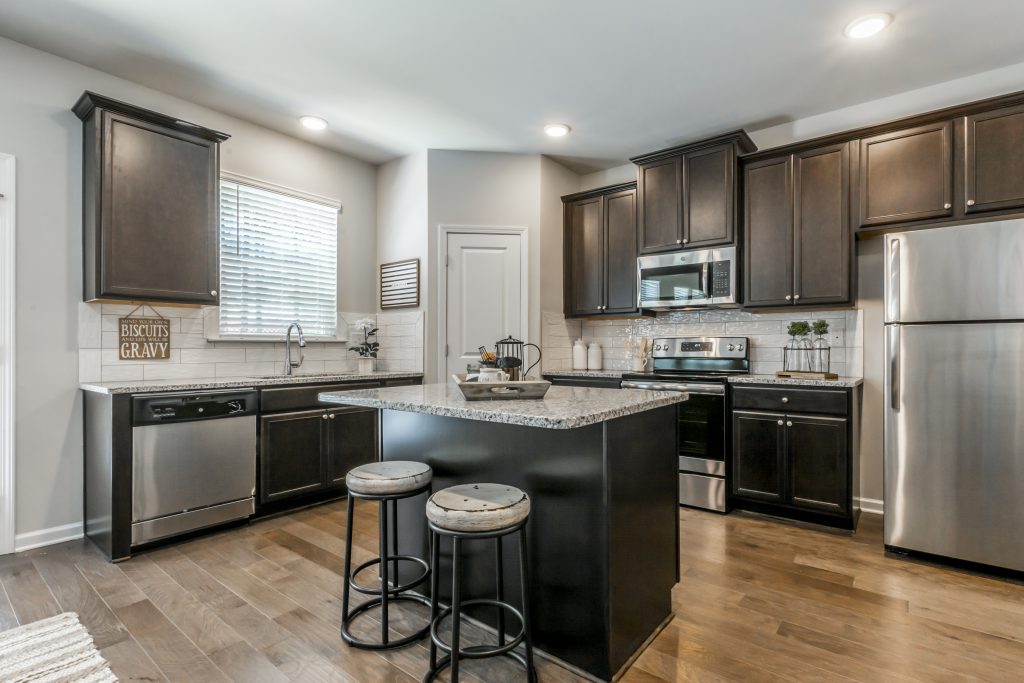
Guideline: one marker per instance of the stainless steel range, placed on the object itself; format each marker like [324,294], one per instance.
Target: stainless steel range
[700,366]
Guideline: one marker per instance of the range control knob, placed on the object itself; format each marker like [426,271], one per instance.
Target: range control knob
[740,347]
[732,347]
[657,347]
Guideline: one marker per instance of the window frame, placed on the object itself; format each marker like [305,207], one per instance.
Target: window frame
[211,314]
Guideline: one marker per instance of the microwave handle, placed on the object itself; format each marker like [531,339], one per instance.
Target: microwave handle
[705,278]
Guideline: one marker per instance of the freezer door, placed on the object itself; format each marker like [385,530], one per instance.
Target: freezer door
[954,451]
[968,272]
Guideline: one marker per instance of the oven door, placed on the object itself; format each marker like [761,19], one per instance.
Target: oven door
[687,279]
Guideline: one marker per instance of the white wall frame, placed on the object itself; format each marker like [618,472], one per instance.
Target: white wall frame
[7,340]
[441,253]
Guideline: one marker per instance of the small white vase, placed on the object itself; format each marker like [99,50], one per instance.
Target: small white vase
[367,365]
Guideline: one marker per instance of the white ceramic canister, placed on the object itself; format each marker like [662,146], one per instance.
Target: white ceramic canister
[595,357]
[579,355]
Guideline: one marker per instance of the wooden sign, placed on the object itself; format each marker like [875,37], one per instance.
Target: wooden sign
[400,284]
[143,338]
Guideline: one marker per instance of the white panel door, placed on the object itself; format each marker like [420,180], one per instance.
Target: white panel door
[484,291]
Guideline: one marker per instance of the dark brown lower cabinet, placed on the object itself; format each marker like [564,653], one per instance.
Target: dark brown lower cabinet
[312,450]
[796,465]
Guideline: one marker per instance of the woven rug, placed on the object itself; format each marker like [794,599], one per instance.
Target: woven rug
[54,650]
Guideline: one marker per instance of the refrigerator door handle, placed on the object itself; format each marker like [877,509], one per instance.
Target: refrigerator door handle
[893,245]
[893,365]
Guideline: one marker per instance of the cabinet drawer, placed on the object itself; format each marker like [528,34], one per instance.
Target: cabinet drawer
[297,398]
[789,399]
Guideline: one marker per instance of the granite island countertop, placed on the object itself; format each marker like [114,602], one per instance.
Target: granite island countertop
[846,382]
[561,408]
[206,383]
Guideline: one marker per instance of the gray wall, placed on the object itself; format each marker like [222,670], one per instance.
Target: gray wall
[40,130]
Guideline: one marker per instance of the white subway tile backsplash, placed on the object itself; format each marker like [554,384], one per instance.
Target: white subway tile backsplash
[122,373]
[90,365]
[212,356]
[153,370]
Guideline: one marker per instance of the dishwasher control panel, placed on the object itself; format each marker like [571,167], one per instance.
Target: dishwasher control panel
[184,407]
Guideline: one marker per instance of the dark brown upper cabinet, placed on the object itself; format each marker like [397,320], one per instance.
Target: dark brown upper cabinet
[906,175]
[687,194]
[797,229]
[994,160]
[600,251]
[150,205]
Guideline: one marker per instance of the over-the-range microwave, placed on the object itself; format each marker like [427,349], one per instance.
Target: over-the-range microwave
[688,279]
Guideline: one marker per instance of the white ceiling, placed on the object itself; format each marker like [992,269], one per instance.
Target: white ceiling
[630,76]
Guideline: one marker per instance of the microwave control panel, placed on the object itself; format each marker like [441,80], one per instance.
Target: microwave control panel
[721,278]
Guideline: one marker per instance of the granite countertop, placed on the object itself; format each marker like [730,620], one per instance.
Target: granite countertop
[561,408]
[202,384]
[612,374]
[794,381]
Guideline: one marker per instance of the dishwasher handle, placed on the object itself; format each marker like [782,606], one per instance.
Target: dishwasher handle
[171,408]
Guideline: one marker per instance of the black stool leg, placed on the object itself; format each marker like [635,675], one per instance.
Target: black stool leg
[456,608]
[531,673]
[348,563]
[500,578]
[435,573]
[384,572]
[394,542]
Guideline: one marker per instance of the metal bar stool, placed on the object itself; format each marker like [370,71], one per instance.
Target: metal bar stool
[384,482]
[468,513]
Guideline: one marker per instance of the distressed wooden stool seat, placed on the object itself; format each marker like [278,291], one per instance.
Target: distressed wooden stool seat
[384,482]
[476,512]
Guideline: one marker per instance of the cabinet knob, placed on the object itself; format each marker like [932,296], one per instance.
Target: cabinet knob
[970,202]
[785,399]
[789,298]
[679,241]
[213,292]
[796,297]
[789,423]
[324,416]
[332,416]
[947,205]
[780,423]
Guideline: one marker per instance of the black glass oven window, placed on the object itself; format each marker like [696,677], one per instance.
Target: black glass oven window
[702,427]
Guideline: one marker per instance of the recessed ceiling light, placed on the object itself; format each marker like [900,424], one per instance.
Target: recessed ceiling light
[313,122]
[557,130]
[867,26]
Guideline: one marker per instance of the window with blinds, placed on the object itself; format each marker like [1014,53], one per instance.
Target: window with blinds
[278,262]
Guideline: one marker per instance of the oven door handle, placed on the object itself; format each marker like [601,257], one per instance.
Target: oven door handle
[696,389]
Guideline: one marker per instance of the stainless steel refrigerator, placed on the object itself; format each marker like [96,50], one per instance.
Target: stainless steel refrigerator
[954,400]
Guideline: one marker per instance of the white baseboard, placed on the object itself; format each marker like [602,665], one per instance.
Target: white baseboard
[55,534]
[872,505]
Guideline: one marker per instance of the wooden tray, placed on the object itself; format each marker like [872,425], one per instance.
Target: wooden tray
[501,391]
[794,374]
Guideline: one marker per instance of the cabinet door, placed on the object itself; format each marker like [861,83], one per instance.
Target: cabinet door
[768,232]
[291,454]
[906,175]
[620,226]
[587,257]
[994,160]
[758,456]
[158,223]
[821,226]
[709,195]
[817,462]
[352,441]
[659,185]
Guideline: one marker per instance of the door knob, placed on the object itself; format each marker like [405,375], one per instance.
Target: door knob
[780,423]
[785,399]
[789,298]
[213,292]
[970,202]
[947,205]
[324,416]
[789,423]
[332,416]
[796,297]
[679,241]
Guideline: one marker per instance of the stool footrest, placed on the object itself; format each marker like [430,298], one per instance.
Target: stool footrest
[397,589]
[376,602]
[479,651]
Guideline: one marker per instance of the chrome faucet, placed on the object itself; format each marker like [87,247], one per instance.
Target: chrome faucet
[288,364]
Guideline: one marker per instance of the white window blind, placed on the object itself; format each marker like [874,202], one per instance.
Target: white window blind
[278,262]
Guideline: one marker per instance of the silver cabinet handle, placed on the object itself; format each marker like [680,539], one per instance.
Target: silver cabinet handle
[780,423]
[785,399]
[970,202]
[796,297]
[332,416]
[789,298]
[789,423]
[947,205]
[686,240]
[213,292]
[324,416]
[679,241]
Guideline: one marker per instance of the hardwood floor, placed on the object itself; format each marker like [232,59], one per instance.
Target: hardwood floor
[760,600]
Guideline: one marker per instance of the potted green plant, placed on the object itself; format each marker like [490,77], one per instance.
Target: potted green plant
[368,349]
[797,353]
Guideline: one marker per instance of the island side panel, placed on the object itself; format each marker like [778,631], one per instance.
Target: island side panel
[643,502]
[563,473]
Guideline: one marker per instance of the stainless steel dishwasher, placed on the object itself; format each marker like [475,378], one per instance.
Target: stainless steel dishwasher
[193,461]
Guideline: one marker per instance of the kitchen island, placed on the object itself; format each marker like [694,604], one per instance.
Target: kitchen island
[600,468]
